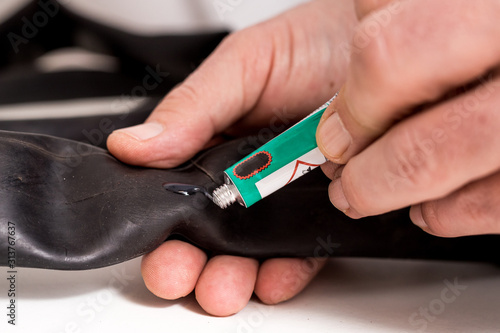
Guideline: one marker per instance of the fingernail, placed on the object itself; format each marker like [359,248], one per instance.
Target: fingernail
[334,139]
[417,217]
[144,131]
[338,197]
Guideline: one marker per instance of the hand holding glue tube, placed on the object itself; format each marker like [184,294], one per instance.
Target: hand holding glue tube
[277,163]
[297,60]
[418,116]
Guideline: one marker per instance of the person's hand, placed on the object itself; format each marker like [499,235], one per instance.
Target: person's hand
[280,69]
[417,122]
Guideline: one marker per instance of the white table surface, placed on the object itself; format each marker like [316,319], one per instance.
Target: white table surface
[350,295]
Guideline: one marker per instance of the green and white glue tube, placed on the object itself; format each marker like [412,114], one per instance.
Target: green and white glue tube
[274,165]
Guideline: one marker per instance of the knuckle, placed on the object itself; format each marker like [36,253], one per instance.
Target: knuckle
[475,205]
[478,208]
[182,105]
[414,158]
[372,75]
[470,211]
[437,223]
[239,40]
[184,93]
[372,57]
[359,198]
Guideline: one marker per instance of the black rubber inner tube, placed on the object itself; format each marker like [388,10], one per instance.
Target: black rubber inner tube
[74,206]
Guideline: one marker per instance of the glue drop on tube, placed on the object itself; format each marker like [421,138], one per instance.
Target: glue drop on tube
[277,163]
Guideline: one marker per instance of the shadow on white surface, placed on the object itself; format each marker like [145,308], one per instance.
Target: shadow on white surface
[349,295]
[407,296]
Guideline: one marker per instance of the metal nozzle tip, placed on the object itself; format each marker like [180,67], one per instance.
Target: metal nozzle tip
[223,196]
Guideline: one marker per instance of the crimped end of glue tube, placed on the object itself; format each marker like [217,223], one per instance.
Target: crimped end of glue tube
[223,196]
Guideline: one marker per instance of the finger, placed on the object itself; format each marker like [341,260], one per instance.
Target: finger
[365,7]
[213,97]
[269,75]
[472,210]
[412,57]
[331,170]
[172,270]
[425,157]
[282,278]
[226,284]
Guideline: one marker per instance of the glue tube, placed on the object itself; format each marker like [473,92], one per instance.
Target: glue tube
[277,163]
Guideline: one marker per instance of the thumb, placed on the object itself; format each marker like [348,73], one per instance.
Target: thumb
[395,74]
[218,93]
[365,7]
